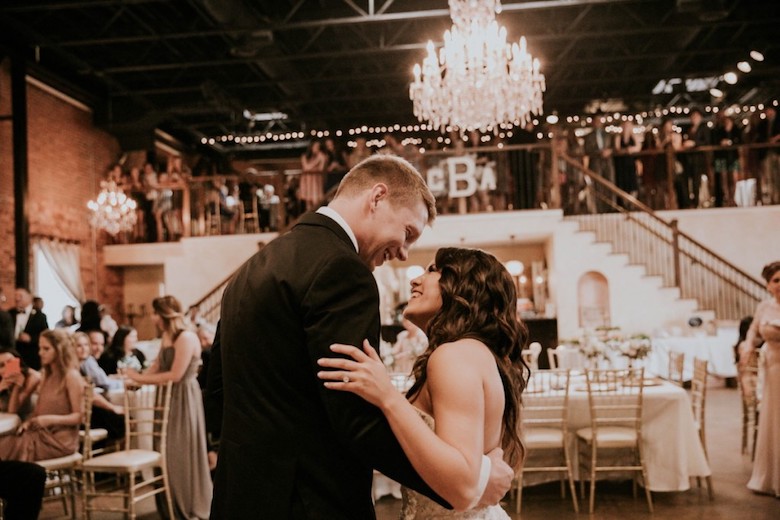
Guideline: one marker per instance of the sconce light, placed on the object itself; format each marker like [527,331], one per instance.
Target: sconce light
[132,314]
[515,267]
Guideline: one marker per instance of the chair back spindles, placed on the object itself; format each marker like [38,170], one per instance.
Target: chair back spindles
[676,367]
[615,397]
[546,428]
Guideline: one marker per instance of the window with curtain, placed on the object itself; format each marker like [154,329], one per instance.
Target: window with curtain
[57,276]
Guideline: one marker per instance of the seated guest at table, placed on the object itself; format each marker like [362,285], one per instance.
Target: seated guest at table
[766,328]
[18,383]
[89,367]
[744,326]
[97,342]
[68,318]
[90,316]
[105,414]
[205,334]
[178,361]
[468,382]
[121,353]
[52,430]
[21,488]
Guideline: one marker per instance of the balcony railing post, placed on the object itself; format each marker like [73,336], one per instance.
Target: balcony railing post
[555,173]
[671,196]
[676,252]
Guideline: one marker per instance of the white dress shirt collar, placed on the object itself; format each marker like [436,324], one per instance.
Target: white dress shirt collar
[334,215]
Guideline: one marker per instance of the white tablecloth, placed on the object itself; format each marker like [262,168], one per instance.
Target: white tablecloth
[8,422]
[671,446]
[672,450]
[717,350]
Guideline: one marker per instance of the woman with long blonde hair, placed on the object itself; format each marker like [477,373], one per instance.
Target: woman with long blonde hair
[53,427]
[179,361]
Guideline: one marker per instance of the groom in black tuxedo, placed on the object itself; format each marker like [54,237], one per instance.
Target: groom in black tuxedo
[290,448]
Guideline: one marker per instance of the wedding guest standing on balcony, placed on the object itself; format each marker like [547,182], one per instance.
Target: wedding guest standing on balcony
[726,165]
[768,131]
[359,152]
[28,325]
[625,162]
[598,149]
[313,163]
[336,164]
[765,328]
[179,361]
[523,168]
[694,163]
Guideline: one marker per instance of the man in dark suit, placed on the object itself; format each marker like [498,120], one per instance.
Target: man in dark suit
[598,149]
[28,325]
[289,448]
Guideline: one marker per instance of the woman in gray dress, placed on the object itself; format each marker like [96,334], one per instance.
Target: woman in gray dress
[178,361]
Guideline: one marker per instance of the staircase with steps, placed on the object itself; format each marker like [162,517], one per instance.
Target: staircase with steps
[640,302]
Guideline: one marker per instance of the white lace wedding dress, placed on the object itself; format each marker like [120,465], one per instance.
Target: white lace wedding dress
[419,507]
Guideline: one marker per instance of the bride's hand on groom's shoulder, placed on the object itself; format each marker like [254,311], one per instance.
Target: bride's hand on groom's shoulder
[358,371]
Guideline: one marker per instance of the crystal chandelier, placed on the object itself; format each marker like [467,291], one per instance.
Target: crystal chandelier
[479,81]
[112,211]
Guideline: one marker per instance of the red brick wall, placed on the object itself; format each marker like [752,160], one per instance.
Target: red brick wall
[68,156]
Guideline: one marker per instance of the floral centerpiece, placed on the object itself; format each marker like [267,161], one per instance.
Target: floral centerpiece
[596,345]
[634,347]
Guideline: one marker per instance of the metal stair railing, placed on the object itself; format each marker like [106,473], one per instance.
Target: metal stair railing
[634,229]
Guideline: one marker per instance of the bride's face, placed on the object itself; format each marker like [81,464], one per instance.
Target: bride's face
[425,300]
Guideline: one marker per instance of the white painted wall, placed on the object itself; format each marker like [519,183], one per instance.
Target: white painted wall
[745,236]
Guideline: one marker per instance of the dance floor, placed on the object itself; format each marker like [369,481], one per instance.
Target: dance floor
[731,471]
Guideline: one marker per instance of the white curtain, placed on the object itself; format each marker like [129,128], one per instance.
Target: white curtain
[64,261]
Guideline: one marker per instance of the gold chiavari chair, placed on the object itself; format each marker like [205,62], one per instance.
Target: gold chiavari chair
[61,473]
[615,399]
[142,463]
[747,379]
[676,366]
[531,356]
[698,405]
[546,430]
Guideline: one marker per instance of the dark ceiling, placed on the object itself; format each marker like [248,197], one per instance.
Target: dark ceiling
[192,67]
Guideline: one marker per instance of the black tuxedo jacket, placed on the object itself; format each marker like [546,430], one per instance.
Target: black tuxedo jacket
[289,447]
[36,324]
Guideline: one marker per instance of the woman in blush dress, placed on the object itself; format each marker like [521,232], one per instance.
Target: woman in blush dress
[179,360]
[766,328]
[52,430]
[467,394]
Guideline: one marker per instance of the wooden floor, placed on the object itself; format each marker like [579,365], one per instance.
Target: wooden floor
[731,471]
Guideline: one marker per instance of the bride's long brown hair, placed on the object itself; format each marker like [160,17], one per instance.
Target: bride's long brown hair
[479,302]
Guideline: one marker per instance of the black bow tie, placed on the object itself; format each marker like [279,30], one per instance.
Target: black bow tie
[22,311]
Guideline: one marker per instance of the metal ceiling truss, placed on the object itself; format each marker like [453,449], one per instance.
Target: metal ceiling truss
[194,65]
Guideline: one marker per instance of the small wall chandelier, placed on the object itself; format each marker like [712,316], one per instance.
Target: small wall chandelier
[479,81]
[112,211]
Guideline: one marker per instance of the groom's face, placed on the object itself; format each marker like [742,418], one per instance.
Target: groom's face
[391,231]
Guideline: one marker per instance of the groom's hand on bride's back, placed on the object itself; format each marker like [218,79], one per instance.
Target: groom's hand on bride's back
[501,476]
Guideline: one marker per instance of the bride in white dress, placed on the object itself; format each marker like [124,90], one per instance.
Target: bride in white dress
[466,397]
